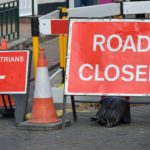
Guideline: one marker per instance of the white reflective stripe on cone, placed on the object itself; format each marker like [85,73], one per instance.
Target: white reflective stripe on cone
[42,83]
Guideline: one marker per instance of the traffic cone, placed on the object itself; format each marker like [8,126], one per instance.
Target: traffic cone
[43,110]
[4,44]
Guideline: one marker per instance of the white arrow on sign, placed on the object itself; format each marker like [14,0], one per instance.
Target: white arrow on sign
[2,77]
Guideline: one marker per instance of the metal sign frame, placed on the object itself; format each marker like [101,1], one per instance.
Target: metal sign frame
[136,7]
[103,10]
[25,8]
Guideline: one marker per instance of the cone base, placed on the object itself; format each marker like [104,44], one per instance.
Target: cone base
[44,122]
[43,111]
[43,127]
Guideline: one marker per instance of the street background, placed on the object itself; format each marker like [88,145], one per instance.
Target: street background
[81,135]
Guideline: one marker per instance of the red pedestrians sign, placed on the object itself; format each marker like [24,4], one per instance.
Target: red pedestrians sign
[14,71]
[108,57]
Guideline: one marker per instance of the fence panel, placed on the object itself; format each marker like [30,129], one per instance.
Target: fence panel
[25,8]
[9,20]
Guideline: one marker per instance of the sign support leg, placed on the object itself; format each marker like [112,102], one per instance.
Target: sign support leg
[64,111]
[20,108]
[73,108]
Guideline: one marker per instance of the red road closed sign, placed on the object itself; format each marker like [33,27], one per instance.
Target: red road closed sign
[108,57]
[14,71]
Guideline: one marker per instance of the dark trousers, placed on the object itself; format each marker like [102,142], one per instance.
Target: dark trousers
[87,2]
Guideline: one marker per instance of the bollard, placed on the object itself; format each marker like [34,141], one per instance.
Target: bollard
[35,41]
[63,42]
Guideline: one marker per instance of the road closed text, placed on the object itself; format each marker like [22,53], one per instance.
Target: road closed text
[112,72]
[122,45]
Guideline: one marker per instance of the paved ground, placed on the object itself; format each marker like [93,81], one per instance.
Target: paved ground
[82,135]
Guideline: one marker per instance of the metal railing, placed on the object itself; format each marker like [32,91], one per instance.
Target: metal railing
[9,20]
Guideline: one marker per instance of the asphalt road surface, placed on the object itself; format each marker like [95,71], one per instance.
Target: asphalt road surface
[82,135]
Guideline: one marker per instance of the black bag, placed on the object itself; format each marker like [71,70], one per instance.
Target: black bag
[114,110]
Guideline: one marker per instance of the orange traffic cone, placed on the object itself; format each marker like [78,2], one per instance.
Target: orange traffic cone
[4,44]
[9,101]
[6,98]
[43,110]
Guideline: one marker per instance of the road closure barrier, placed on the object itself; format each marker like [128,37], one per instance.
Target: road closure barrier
[114,61]
[104,55]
